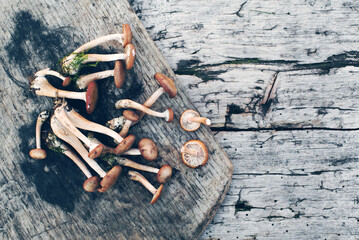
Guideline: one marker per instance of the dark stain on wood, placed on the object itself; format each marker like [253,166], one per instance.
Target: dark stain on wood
[241,205]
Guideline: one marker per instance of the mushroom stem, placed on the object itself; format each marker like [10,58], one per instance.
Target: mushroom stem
[39,153]
[84,80]
[128,163]
[202,120]
[132,152]
[42,73]
[127,103]
[135,176]
[104,57]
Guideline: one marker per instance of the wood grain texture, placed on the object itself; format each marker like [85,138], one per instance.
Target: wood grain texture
[44,199]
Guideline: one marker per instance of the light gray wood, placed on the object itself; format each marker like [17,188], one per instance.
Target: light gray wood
[44,199]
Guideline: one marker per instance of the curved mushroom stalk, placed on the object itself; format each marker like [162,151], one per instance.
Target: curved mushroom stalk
[42,87]
[93,182]
[38,152]
[109,178]
[118,73]
[127,103]
[94,148]
[81,122]
[191,120]
[116,123]
[42,73]
[156,192]
[73,63]
[131,116]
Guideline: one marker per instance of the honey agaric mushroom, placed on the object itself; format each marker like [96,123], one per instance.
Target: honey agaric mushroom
[127,103]
[94,148]
[135,176]
[42,87]
[93,182]
[72,65]
[118,73]
[38,152]
[194,153]
[130,116]
[191,120]
[109,178]
[65,80]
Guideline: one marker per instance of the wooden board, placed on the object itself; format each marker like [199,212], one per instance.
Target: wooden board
[44,199]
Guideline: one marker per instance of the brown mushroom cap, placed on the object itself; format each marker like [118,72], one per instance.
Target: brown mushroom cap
[170,115]
[157,194]
[66,82]
[110,179]
[164,174]
[96,152]
[190,127]
[91,184]
[125,145]
[201,157]
[38,153]
[131,115]
[148,149]
[119,73]
[167,84]
[126,31]
[130,51]
[91,97]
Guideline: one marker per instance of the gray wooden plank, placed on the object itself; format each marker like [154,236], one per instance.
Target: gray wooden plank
[44,199]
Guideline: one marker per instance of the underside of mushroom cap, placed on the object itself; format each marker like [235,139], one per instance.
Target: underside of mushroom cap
[110,178]
[157,194]
[185,124]
[148,149]
[130,51]
[38,153]
[167,84]
[126,31]
[197,160]
[91,184]
[125,145]
[91,97]
[119,73]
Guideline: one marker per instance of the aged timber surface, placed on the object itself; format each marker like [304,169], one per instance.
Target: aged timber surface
[44,199]
[279,79]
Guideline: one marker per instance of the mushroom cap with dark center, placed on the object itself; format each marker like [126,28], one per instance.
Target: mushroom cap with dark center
[167,84]
[201,154]
[91,97]
[38,153]
[164,174]
[125,145]
[66,82]
[190,127]
[95,153]
[170,115]
[130,51]
[119,73]
[126,31]
[148,149]
[131,115]
[157,194]
[91,184]
[110,179]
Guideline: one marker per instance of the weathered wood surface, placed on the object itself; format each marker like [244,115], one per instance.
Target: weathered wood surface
[44,199]
[295,158]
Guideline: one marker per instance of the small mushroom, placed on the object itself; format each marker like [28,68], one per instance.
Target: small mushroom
[72,65]
[42,87]
[131,116]
[135,176]
[38,152]
[65,80]
[93,182]
[127,103]
[194,154]
[191,120]
[94,148]
[109,178]
[118,73]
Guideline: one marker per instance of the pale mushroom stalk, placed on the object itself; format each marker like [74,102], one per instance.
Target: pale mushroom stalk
[38,152]
[156,192]
[127,103]
[94,148]
[131,116]
[42,73]
[202,120]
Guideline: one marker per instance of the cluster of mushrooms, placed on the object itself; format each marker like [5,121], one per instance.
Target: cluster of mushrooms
[66,122]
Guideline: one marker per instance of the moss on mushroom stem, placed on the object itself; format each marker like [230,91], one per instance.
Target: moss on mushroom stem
[71,64]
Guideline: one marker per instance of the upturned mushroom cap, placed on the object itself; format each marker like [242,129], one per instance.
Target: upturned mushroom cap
[167,84]
[38,153]
[164,174]
[170,116]
[91,97]
[126,31]
[201,156]
[119,73]
[148,149]
[190,127]
[91,184]
[110,179]
[66,82]
[131,115]
[125,144]
[157,194]
[96,152]
[130,51]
